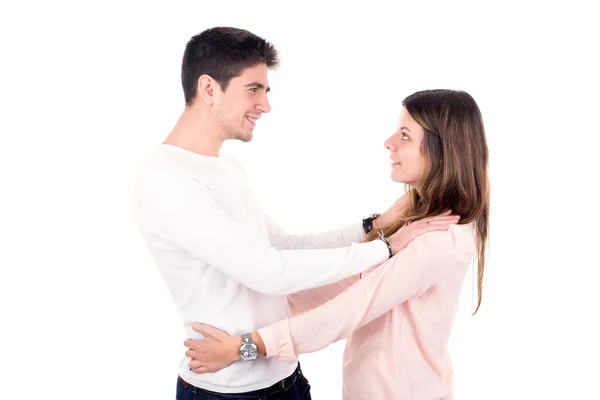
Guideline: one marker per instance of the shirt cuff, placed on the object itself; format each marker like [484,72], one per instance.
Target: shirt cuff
[278,341]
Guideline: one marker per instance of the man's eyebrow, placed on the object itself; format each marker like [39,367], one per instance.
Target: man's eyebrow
[258,85]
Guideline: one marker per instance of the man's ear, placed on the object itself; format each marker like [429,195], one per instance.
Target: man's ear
[206,88]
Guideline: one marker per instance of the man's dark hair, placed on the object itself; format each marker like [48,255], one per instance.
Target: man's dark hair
[223,53]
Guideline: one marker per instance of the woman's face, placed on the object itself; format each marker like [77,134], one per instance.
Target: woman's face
[405,146]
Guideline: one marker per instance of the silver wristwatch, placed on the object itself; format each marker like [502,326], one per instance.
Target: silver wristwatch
[248,350]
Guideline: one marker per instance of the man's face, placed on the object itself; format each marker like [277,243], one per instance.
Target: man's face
[243,102]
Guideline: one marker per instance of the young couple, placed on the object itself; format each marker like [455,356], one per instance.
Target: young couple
[253,297]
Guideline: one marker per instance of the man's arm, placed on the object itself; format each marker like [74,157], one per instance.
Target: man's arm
[184,212]
[336,238]
[341,237]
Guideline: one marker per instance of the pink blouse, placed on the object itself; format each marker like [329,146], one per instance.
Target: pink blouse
[397,317]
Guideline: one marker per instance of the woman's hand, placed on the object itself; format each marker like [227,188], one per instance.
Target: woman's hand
[213,353]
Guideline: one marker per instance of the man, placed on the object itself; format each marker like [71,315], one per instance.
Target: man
[225,262]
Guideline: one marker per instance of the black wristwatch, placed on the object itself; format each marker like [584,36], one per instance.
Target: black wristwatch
[368,222]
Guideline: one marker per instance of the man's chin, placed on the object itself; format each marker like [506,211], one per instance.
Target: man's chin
[242,136]
[246,136]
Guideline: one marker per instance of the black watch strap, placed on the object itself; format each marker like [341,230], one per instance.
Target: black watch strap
[368,222]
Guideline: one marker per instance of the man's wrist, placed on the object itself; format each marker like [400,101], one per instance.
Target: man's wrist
[235,342]
[387,243]
[376,223]
[368,222]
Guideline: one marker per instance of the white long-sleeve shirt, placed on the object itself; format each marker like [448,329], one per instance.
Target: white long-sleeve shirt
[226,263]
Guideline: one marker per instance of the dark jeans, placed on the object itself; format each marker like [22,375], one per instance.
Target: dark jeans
[294,387]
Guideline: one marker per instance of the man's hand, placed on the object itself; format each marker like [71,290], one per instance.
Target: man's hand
[410,232]
[213,353]
[392,213]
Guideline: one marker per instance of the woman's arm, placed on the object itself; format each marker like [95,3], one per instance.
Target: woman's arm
[310,299]
[408,274]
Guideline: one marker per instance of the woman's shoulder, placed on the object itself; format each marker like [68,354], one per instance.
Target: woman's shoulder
[456,240]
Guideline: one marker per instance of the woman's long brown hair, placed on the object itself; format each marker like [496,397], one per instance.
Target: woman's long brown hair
[456,176]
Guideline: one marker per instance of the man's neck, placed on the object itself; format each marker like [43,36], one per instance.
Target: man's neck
[197,133]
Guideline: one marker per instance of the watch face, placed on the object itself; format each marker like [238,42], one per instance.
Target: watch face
[248,351]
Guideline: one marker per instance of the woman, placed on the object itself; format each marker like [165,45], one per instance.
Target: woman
[397,317]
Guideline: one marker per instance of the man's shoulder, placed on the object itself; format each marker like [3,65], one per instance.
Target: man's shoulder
[159,174]
[169,162]
[233,162]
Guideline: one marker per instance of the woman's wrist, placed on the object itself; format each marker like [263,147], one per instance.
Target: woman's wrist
[257,340]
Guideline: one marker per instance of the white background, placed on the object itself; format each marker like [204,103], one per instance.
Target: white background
[89,89]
